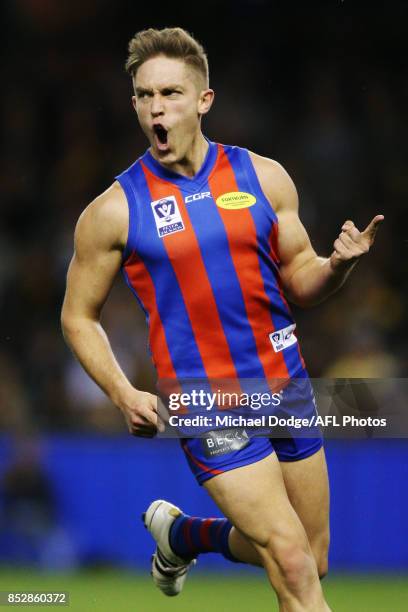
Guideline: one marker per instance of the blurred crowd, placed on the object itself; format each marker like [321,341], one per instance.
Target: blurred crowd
[322,91]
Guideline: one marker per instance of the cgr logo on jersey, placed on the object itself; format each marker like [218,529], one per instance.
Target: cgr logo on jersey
[234,200]
[197,196]
[283,338]
[167,216]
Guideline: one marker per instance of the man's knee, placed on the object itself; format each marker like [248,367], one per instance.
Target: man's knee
[292,557]
[295,564]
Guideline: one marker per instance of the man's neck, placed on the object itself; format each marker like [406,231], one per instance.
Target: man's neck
[191,163]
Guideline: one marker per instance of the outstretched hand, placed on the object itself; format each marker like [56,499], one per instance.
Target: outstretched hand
[352,244]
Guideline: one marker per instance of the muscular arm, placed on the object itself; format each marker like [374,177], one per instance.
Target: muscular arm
[100,237]
[307,278]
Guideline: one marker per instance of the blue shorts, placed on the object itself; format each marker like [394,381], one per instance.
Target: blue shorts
[243,446]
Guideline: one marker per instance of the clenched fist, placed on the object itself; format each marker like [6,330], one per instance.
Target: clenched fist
[140,410]
[352,244]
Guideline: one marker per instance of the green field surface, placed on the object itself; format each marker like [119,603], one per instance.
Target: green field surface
[108,591]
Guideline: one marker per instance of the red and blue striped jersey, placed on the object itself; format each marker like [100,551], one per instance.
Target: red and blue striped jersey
[202,260]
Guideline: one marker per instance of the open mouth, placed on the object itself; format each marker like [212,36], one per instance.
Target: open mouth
[161,137]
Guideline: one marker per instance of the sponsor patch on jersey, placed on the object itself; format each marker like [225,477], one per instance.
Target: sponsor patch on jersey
[167,216]
[223,441]
[283,338]
[234,200]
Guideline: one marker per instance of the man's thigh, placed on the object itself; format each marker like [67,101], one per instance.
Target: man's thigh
[255,500]
[307,485]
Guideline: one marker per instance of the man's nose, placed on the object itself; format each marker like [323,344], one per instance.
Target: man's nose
[157,106]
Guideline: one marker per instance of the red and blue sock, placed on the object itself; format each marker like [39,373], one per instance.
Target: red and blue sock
[191,536]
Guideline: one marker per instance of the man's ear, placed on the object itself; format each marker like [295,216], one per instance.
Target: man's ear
[205,101]
[134,102]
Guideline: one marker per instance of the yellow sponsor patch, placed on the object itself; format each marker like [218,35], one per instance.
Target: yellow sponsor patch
[233,200]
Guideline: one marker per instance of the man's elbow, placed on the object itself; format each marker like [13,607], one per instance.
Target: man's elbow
[68,325]
[73,324]
[301,300]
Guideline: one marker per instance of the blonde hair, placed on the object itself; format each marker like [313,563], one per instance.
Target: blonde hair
[171,42]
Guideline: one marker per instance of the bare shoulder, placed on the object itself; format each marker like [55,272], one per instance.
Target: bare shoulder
[276,183]
[104,222]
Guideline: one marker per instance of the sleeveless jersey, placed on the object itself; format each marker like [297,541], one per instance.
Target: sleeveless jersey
[202,260]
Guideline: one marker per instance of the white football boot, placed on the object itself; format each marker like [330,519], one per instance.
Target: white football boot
[169,572]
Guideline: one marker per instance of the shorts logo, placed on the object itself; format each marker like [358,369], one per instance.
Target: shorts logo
[167,216]
[223,441]
[283,338]
[234,200]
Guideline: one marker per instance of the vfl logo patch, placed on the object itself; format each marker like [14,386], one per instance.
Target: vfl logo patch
[223,441]
[234,200]
[283,338]
[167,216]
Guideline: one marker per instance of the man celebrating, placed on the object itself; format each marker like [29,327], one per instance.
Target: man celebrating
[209,240]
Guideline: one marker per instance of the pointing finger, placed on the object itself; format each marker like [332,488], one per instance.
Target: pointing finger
[371,229]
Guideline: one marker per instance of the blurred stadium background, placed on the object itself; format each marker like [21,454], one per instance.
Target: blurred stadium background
[321,87]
